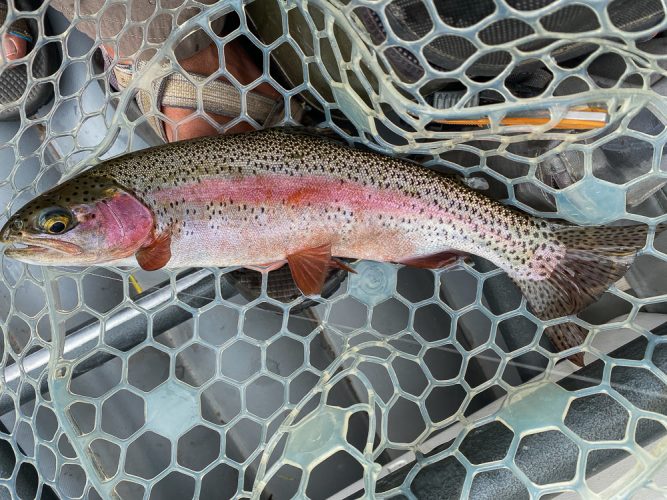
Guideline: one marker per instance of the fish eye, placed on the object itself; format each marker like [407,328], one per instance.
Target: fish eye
[56,220]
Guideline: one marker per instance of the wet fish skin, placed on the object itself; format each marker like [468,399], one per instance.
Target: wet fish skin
[247,196]
[277,195]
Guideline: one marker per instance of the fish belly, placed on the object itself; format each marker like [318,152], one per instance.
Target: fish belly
[238,238]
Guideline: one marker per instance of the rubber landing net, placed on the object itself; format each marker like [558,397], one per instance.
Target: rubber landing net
[116,383]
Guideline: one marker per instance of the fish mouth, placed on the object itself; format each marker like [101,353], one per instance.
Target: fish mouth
[27,247]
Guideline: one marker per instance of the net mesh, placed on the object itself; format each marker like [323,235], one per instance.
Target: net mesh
[402,382]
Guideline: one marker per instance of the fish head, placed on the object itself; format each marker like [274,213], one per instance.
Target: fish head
[86,220]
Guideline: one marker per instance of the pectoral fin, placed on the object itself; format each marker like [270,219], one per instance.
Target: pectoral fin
[156,255]
[309,268]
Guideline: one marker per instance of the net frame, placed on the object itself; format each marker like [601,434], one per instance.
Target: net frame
[40,302]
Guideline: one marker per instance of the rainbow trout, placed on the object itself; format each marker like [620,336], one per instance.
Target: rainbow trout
[279,196]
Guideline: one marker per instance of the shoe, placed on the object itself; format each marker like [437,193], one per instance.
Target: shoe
[14,91]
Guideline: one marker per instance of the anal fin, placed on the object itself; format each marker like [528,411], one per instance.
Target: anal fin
[433,261]
[339,264]
[156,255]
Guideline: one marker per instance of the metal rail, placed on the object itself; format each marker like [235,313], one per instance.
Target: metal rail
[122,330]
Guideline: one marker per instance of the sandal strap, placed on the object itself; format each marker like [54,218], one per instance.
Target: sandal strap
[19,27]
[218,97]
[123,74]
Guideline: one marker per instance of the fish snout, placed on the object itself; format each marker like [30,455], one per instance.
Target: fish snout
[11,231]
[6,232]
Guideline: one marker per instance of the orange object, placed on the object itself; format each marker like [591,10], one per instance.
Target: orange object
[576,121]
[527,120]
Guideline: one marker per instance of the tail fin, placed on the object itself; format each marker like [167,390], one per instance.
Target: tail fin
[596,257]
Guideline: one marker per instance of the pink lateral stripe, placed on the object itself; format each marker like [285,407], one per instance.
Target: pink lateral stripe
[299,191]
[313,190]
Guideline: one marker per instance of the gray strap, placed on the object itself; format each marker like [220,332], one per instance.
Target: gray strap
[218,97]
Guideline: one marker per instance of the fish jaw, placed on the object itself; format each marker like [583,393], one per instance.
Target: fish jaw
[52,244]
[34,255]
[35,250]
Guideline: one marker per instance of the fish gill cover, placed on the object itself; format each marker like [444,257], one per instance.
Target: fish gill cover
[118,382]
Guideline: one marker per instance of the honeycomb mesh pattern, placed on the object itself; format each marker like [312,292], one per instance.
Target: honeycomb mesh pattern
[415,376]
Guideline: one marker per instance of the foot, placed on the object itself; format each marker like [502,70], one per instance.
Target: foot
[13,47]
